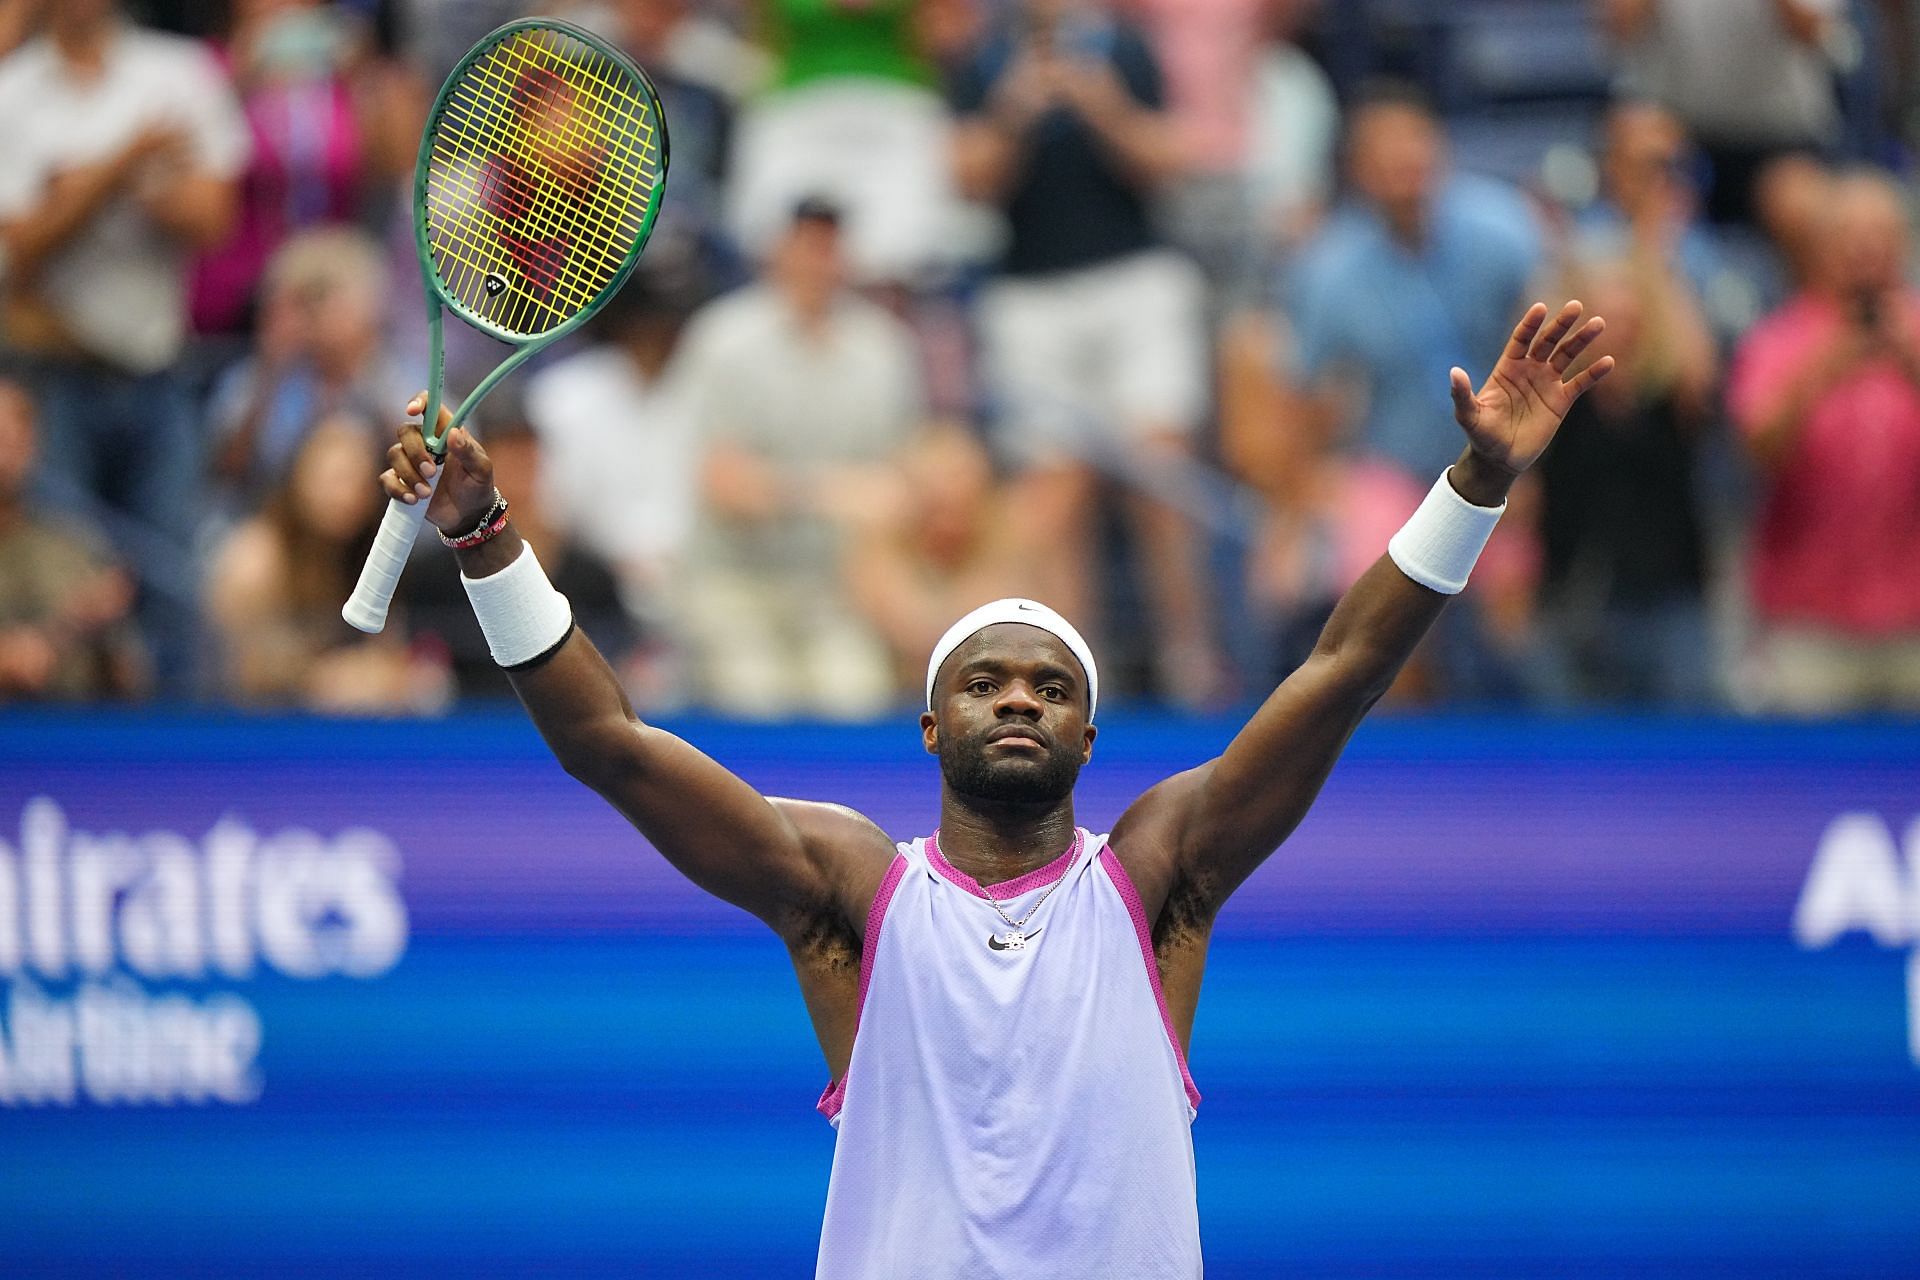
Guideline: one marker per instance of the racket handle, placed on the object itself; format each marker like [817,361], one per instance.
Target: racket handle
[366,608]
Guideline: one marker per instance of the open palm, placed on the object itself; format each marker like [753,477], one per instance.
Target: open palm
[1516,413]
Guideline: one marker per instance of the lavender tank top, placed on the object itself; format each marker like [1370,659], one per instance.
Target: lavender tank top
[1011,1111]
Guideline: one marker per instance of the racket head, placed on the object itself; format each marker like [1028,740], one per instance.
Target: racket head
[538,181]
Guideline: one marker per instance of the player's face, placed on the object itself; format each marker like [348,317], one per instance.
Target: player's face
[1010,717]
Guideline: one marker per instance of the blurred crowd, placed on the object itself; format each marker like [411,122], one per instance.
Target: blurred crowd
[1143,307]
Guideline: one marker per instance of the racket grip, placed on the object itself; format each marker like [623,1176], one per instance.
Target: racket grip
[366,608]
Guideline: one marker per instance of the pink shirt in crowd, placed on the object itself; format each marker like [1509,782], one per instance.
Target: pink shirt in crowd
[1207,51]
[305,171]
[1838,540]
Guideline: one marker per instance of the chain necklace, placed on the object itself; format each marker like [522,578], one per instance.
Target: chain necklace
[1016,936]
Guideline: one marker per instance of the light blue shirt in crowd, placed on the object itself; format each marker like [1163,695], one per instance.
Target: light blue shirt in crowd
[1367,307]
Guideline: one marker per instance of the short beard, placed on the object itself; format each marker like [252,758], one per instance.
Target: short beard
[970,773]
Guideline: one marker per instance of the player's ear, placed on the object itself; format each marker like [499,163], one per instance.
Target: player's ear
[1086,744]
[930,732]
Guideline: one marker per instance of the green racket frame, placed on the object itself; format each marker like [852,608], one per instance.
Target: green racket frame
[367,608]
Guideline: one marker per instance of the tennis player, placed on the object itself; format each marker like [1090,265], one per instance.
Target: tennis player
[1005,1004]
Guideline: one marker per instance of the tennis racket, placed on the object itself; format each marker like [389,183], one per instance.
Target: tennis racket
[539,177]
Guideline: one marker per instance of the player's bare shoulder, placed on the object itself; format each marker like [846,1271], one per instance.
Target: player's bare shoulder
[1150,839]
[847,846]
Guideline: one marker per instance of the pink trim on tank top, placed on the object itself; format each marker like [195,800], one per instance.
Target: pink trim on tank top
[1035,879]
[1135,908]
[835,1095]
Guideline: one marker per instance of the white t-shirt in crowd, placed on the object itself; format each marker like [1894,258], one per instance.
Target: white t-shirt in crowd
[1733,73]
[120,285]
[848,394]
[618,464]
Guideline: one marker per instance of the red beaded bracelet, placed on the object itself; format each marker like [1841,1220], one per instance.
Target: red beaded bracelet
[489,527]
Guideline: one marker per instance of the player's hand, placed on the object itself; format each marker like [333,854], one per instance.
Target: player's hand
[1517,411]
[465,490]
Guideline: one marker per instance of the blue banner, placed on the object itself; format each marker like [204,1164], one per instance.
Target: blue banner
[1521,998]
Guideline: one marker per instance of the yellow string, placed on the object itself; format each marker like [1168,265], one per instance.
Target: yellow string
[592,212]
[600,219]
[545,219]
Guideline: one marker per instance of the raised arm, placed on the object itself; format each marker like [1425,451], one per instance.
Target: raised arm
[788,862]
[1207,829]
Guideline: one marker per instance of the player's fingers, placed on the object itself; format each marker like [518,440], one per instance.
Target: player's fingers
[1460,387]
[407,467]
[1550,336]
[394,487]
[1590,376]
[1571,349]
[1523,332]
[417,451]
[463,448]
[418,406]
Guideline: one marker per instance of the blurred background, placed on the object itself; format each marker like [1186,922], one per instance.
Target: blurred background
[1143,307]
[1597,959]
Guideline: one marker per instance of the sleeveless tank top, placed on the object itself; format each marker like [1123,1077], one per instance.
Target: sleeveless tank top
[1011,1110]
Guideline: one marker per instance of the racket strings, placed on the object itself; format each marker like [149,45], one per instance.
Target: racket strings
[579,181]
[544,160]
[533,233]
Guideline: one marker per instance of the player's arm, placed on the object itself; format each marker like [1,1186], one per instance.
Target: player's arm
[787,862]
[1210,827]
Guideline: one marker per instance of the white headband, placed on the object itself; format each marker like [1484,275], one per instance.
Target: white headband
[1029,613]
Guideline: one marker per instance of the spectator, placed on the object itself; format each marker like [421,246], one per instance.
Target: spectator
[946,541]
[279,579]
[1827,394]
[292,62]
[1093,331]
[1294,130]
[1256,120]
[319,351]
[1790,198]
[1625,570]
[117,161]
[800,390]
[851,115]
[661,36]
[690,42]
[440,617]
[63,602]
[436,34]
[1645,197]
[1416,273]
[620,436]
[1750,79]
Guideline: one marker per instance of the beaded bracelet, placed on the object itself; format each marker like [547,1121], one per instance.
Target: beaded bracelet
[489,527]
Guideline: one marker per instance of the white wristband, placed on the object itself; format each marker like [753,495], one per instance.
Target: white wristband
[521,614]
[1438,546]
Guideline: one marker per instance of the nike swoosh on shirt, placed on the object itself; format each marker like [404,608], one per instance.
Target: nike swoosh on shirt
[993,940]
